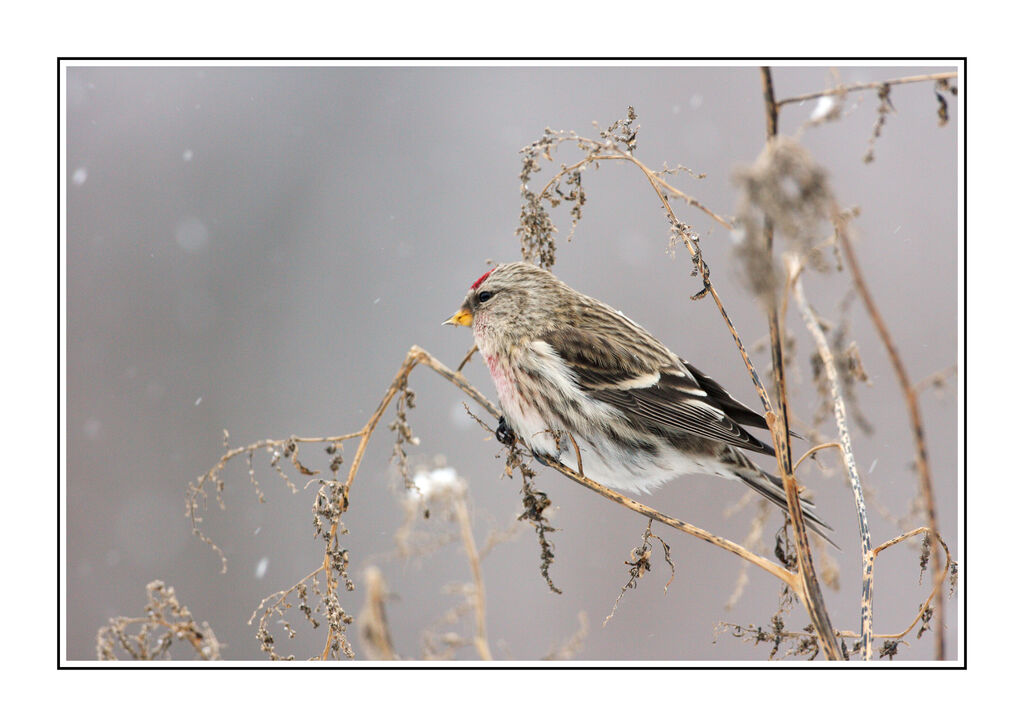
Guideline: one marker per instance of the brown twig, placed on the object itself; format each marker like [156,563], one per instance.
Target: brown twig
[779,572]
[916,423]
[278,603]
[166,620]
[814,450]
[468,356]
[415,356]
[847,88]
[196,495]
[937,584]
[579,457]
[653,176]
[640,565]
[813,598]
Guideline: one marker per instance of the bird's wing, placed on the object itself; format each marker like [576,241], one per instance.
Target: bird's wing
[739,412]
[671,396]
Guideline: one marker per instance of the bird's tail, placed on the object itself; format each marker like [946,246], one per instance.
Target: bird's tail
[771,488]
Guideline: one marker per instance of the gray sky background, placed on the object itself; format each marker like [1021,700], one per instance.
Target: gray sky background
[255,249]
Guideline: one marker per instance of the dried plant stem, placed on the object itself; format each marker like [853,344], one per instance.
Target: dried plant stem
[778,571]
[852,475]
[467,357]
[916,426]
[196,496]
[479,600]
[166,613]
[696,255]
[254,447]
[779,427]
[936,585]
[415,356]
[791,579]
[814,450]
[665,189]
[848,88]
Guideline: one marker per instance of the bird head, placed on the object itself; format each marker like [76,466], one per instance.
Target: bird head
[513,298]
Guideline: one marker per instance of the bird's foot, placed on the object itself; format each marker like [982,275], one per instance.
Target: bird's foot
[504,433]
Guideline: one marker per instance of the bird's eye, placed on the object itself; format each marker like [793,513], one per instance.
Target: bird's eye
[484,295]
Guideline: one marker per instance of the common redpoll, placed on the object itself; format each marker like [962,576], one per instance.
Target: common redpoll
[572,373]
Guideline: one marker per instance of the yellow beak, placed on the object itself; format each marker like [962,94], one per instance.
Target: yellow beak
[462,317]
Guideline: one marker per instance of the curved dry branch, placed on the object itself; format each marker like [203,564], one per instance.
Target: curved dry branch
[936,586]
[846,447]
[779,572]
[916,423]
[845,88]
[814,450]
[659,182]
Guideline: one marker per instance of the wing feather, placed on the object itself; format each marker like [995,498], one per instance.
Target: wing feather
[659,391]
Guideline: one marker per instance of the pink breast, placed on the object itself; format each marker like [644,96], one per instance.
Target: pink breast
[502,379]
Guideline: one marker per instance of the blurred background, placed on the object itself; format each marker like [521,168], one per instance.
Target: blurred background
[256,248]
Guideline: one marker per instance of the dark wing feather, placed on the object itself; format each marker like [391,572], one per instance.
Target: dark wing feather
[737,411]
[671,397]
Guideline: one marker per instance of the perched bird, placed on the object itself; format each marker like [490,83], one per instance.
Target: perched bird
[574,374]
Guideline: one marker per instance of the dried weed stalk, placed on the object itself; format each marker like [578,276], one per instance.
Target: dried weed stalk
[640,565]
[943,81]
[916,426]
[166,622]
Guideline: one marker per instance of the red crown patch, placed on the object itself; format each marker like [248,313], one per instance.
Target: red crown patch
[482,278]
